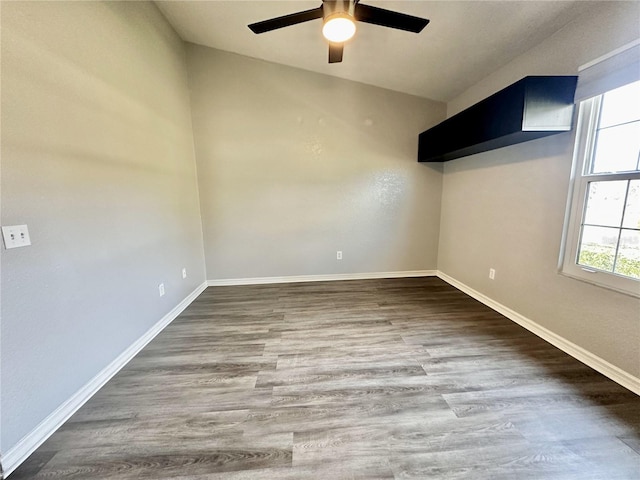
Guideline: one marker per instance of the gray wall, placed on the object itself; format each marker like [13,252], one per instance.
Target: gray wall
[294,166]
[505,208]
[97,158]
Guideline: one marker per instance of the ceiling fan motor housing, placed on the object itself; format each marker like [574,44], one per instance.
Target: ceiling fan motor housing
[338,7]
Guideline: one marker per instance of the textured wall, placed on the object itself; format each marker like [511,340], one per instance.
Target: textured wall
[294,166]
[97,158]
[505,208]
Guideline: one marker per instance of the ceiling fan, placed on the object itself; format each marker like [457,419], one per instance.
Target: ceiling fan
[339,18]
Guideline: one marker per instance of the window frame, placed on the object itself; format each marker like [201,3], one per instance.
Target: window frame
[587,123]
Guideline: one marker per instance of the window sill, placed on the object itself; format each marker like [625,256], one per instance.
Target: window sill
[631,292]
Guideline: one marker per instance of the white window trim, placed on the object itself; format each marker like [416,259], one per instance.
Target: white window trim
[587,117]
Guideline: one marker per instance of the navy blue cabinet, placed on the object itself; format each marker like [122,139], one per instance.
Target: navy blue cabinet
[534,107]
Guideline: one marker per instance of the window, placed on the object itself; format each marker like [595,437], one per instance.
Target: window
[603,237]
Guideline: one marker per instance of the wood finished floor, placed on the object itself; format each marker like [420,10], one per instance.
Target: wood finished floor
[375,379]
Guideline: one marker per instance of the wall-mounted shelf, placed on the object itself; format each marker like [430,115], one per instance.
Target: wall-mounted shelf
[531,108]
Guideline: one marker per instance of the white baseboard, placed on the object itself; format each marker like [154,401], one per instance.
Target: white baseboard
[320,278]
[30,442]
[609,370]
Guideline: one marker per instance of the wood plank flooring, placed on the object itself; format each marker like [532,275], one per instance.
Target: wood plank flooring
[375,379]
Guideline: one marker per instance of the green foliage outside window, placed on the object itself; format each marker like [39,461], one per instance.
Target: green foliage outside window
[595,257]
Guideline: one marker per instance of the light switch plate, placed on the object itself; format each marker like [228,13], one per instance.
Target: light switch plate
[16,236]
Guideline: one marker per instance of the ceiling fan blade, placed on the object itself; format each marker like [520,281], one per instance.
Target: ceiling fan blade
[286,20]
[387,18]
[335,52]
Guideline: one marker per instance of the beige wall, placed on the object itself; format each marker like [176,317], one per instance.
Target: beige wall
[97,159]
[294,166]
[505,208]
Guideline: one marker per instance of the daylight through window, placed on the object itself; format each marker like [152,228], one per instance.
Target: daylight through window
[606,214]
[610,236]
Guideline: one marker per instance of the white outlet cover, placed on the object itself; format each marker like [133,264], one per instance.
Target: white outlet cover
[161,289]
[16,236]
[184,273]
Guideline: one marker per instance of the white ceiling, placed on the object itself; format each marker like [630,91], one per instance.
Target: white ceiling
[465,41]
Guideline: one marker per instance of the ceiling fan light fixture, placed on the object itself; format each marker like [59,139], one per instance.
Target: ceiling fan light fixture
[339,22]
[339,28]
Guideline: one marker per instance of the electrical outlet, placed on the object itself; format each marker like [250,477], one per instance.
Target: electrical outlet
[161,289]
[492,274]
[184,273]
[339,255]
[16,236]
